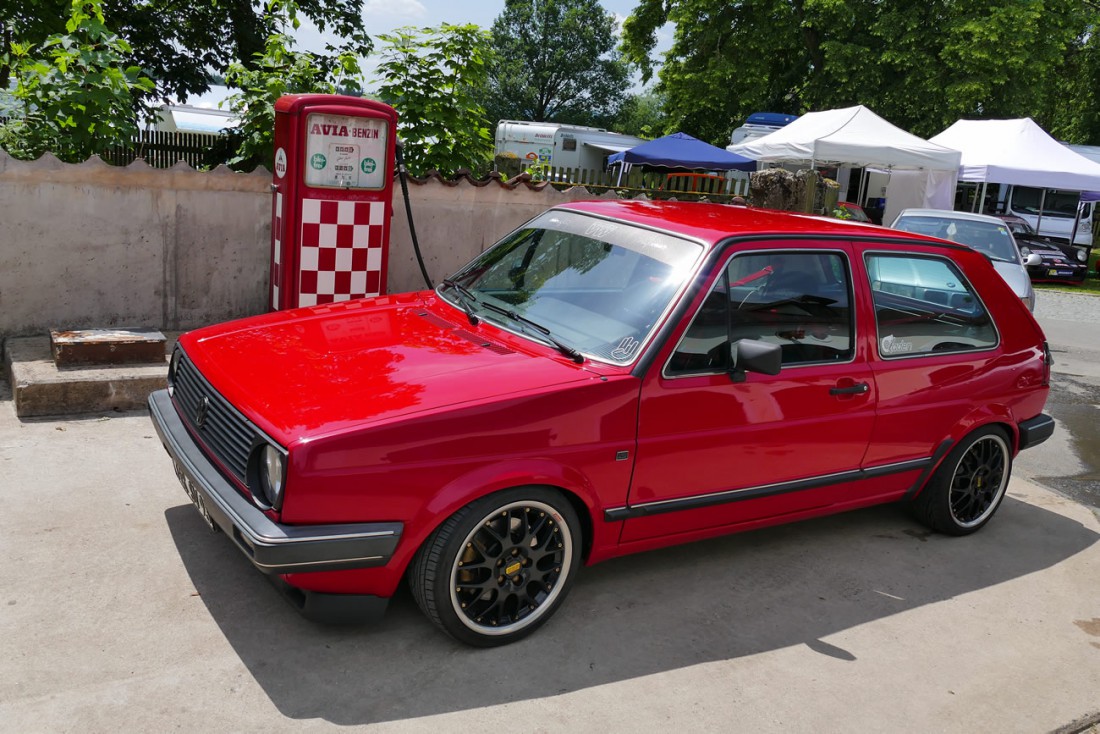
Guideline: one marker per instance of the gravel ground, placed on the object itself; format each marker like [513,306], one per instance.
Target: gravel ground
[1065,306]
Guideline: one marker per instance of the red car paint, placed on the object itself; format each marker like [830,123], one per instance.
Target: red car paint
[397,409]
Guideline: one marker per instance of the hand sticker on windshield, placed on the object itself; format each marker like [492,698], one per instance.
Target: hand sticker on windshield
[626,348]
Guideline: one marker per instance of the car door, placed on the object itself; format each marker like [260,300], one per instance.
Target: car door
[715,452]
[936,355]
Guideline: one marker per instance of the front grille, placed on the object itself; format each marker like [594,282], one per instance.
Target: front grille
[227,434]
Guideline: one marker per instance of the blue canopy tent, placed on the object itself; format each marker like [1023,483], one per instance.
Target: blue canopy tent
[680,150]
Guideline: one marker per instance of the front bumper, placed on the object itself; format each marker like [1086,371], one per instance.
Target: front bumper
[272,547]
[1057,273]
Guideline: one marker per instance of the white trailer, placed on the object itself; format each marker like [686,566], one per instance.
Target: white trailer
[561,146]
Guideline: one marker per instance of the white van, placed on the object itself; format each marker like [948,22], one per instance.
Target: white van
[1061,209]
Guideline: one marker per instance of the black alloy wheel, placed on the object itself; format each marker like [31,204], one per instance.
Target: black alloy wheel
[499,567]
[969,485]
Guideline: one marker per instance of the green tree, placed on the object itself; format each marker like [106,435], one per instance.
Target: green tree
[643,115]
[435,77]
[75,96]
[180,44]
[556,60]
[276,71]
[922,64]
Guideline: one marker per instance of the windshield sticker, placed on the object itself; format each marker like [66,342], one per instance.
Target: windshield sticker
[893,345]
[626,348]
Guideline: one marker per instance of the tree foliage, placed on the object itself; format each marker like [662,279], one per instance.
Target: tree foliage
[279,70]
[922,64]
[643,115]
[556,60]
[74,93]
[434,78]
[179,44]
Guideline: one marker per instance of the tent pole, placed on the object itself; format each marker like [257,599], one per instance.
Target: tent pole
[1076,221]
[981,202]
[862,186]
[1042,205]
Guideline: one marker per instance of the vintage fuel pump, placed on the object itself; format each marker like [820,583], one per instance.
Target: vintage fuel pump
[333,199]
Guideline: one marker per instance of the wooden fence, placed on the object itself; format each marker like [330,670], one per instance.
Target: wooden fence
[657,185]
[161,149]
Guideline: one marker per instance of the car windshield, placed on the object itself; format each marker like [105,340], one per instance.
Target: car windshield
[1020,228]
[1055,203]
[593,285]
[992,238]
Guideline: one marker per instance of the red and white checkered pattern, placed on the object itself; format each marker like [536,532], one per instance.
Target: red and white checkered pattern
[277,266]
[340,252]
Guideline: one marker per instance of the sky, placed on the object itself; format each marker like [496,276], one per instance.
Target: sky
[382,16]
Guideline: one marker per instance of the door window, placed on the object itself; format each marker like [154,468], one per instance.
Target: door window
[798,300]
[923,305]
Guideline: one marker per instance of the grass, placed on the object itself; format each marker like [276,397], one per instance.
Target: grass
[1091,286]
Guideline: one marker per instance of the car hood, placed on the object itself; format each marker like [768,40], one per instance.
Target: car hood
[1042,248]
[1016,276]
[317,371]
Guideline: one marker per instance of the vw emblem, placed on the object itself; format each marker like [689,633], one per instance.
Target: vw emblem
[200,415]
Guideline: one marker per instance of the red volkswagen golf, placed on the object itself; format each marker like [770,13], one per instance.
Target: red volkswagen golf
[612,377]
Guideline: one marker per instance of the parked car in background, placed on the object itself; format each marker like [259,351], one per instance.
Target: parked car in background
[854,212]
[1061,261]
[989,235]
[612,377]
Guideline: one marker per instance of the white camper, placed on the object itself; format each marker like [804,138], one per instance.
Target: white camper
[561,146]
[759,124]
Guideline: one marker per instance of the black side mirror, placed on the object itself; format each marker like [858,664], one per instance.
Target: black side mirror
[750,355]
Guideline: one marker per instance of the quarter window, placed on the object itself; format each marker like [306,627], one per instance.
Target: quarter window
[798,300]
[923,305]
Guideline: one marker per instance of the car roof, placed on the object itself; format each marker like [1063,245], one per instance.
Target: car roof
[951,214]
[713,223]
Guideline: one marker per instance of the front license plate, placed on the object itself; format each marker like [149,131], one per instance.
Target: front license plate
[193,493]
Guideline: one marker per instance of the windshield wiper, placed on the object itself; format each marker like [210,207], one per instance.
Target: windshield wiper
[466,299]
[523,321]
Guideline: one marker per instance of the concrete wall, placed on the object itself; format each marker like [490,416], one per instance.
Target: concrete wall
[90,245]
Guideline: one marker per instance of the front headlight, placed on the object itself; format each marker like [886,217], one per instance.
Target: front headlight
[173,365]
[272,476]
[1081,256]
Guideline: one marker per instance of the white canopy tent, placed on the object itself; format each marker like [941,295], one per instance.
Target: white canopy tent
[1021,153]
[1018,152]
[858,138]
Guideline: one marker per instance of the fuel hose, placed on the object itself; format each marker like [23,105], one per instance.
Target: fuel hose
[402,175]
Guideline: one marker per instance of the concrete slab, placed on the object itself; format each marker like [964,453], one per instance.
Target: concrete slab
[119,611]
[41,388]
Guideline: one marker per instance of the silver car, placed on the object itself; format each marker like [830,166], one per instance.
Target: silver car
[989,235]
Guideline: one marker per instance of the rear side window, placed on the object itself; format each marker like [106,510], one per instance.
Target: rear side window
[923,305]
[798,300]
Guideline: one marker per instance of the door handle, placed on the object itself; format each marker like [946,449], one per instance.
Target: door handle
[857,389]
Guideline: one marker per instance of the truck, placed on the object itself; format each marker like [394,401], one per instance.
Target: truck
[560,145]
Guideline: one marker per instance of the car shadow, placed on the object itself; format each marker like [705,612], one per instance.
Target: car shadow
[713,600]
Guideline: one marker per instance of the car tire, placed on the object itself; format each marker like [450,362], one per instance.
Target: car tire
[969,485]
[497,569]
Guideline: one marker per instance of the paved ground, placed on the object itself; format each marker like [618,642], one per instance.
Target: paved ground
[120,612]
